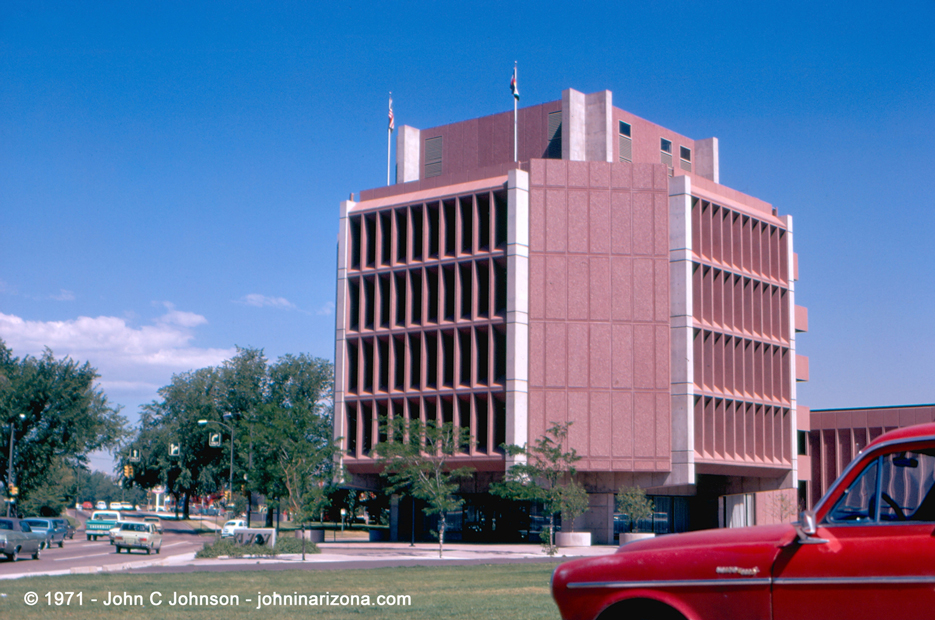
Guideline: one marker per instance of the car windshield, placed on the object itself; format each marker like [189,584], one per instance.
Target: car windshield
[134,527]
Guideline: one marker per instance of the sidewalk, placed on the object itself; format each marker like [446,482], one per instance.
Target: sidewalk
[340,555]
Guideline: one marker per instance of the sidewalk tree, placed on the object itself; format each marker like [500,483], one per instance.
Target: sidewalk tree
[632,501]
[417,458]
[544,473]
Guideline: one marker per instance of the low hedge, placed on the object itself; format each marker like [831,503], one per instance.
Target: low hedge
[227,547]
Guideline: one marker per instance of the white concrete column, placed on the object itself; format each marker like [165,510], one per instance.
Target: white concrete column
[574,126]
[408,154]
[706,159]
[600,124]
[793,398]
[517,310]
[340,326]
[682,332]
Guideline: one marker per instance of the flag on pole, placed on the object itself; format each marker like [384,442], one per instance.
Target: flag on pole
[514,87]
[392,122]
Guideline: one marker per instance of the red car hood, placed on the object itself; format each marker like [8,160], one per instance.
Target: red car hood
[746,552]
[770,535]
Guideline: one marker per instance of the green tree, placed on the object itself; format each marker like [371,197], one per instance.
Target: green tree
[173,448]
[293,444]
[58,416]
[632,501]
[281,415]
[417,458]
[544,473]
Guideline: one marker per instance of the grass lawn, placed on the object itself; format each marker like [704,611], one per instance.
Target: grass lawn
[512,591]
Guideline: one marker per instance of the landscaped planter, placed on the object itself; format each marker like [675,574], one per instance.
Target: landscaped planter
[628,537]
[573,539]
[315,536]
[378,535]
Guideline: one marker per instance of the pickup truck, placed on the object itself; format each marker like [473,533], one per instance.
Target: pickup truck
[102,521]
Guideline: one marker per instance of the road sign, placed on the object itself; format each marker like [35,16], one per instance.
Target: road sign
[214,440]
[174,449]
[134,456]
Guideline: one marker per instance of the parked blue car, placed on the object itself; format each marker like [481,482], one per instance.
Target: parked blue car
[54,532]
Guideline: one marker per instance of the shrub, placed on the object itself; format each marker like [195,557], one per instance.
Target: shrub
[226,546]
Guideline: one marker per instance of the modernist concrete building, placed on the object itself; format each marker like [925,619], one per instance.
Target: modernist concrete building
[607,279]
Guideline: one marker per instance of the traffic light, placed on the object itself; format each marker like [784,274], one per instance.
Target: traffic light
[14,491]
[128,471]
[227,495]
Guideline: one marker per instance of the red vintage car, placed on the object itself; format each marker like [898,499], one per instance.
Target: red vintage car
[866,551]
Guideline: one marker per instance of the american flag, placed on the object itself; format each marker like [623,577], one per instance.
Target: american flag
[514,88]
[392,122]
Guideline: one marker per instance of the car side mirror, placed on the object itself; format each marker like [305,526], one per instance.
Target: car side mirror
[807,528]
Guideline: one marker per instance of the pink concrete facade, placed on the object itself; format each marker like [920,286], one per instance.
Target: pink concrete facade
[599,311]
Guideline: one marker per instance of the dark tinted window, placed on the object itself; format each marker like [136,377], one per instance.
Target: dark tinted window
[665,145]
[625,129]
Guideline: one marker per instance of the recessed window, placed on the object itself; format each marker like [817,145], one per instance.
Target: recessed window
[625,141]
[685,153]
[554,150]
[433,157]
[665,145]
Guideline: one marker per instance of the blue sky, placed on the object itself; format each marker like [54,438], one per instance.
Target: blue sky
[170,173]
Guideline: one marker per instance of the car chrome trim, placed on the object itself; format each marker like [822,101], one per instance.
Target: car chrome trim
[674,583]
[761,581]
[853,581]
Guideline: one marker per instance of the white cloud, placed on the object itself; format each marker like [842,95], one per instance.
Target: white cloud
[64,295]
[133,361]
[262,301]
[327,309]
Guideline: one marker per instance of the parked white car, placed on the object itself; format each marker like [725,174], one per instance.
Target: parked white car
[229,528]
[137,535]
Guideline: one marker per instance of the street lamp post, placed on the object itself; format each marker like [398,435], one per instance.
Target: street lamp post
[11,479]
[229,427]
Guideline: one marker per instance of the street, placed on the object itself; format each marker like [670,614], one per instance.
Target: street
[78,553]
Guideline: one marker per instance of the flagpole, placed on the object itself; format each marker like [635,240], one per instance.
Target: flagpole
[515,122]
[389,140]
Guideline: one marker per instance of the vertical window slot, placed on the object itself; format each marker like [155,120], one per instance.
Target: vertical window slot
[448,359]
[355,237]
[448,273]
[432,294]
[402,238]
[467,290]
[483,222]
[415,283]
[467,224]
